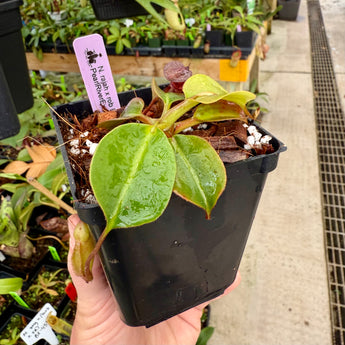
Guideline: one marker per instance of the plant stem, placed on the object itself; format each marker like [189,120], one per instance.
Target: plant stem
[182,125]
[48,236]
[172,115]
[50,195]
[88,263]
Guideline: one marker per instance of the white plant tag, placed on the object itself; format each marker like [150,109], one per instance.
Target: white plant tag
[96,72]
[2,257]
[38,328]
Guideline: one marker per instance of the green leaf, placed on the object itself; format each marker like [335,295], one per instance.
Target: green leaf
[132,175]
[111,39]
[134,108]
[163,3]
[3,161]
[219,111]
[24,156]
[126,43]
[240,97]
[203,89]
[206,90]
[168,98]
[132,111]
[12,187]
[13,176]
[119,47]
[58,181]
[55,168]
[200,175]
[205,335]
[10,284]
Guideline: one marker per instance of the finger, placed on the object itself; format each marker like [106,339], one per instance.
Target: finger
[99,283]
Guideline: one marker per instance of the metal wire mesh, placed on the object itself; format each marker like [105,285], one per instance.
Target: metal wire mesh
[330,125]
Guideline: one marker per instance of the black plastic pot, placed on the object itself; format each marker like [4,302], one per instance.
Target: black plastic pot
[289,10]
[12,55]
[245,39]
[111,9]
[9,122]
[163,268]
[169,48]
[215,37]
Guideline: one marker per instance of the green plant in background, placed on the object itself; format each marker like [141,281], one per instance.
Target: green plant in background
[258,105]
[248,22]
[119,35]
[122,85]
[8,285]
[34,122]
[205,335]
[45,283]
[159,159]
[173,16]
[14,335]
[27,193]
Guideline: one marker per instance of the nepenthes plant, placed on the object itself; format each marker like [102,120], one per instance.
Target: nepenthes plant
[142,160]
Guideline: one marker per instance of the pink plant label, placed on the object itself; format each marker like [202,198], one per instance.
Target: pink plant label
[96,72]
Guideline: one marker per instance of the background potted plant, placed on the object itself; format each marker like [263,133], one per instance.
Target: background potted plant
[247,26]
[177,255]
[16,95]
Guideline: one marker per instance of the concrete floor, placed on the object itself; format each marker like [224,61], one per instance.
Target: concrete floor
[283,297]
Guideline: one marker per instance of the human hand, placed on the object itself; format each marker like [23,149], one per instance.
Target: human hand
[98,319]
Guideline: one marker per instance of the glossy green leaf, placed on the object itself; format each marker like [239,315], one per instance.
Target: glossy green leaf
[10,285]
[134,108]
[219,111]
[200,175]
[132,174]
[205,90]
[239,97]
[168,98]
[132,111]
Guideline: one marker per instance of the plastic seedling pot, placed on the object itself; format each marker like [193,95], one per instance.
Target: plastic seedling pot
[12,55]
[9,122]
[161,269]
[289,10]
[112,9]
[245,38]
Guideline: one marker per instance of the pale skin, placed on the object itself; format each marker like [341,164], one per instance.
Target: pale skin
[98,319]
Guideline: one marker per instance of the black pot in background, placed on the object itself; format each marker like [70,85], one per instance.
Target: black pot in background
[289,10]
[112,9]
[169,48]
[9,122]
[12,55]
[245,39]
[163,268]
[215,37]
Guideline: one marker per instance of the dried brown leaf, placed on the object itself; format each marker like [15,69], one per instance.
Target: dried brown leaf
[42,156]
[16,167]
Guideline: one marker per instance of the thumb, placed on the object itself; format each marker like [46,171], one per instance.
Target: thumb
[99,283]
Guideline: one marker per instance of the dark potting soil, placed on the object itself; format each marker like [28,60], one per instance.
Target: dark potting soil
[12,330]
[227,138]
[25,266]
[5,301]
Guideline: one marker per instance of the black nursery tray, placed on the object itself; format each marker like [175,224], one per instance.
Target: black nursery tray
[14,307]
